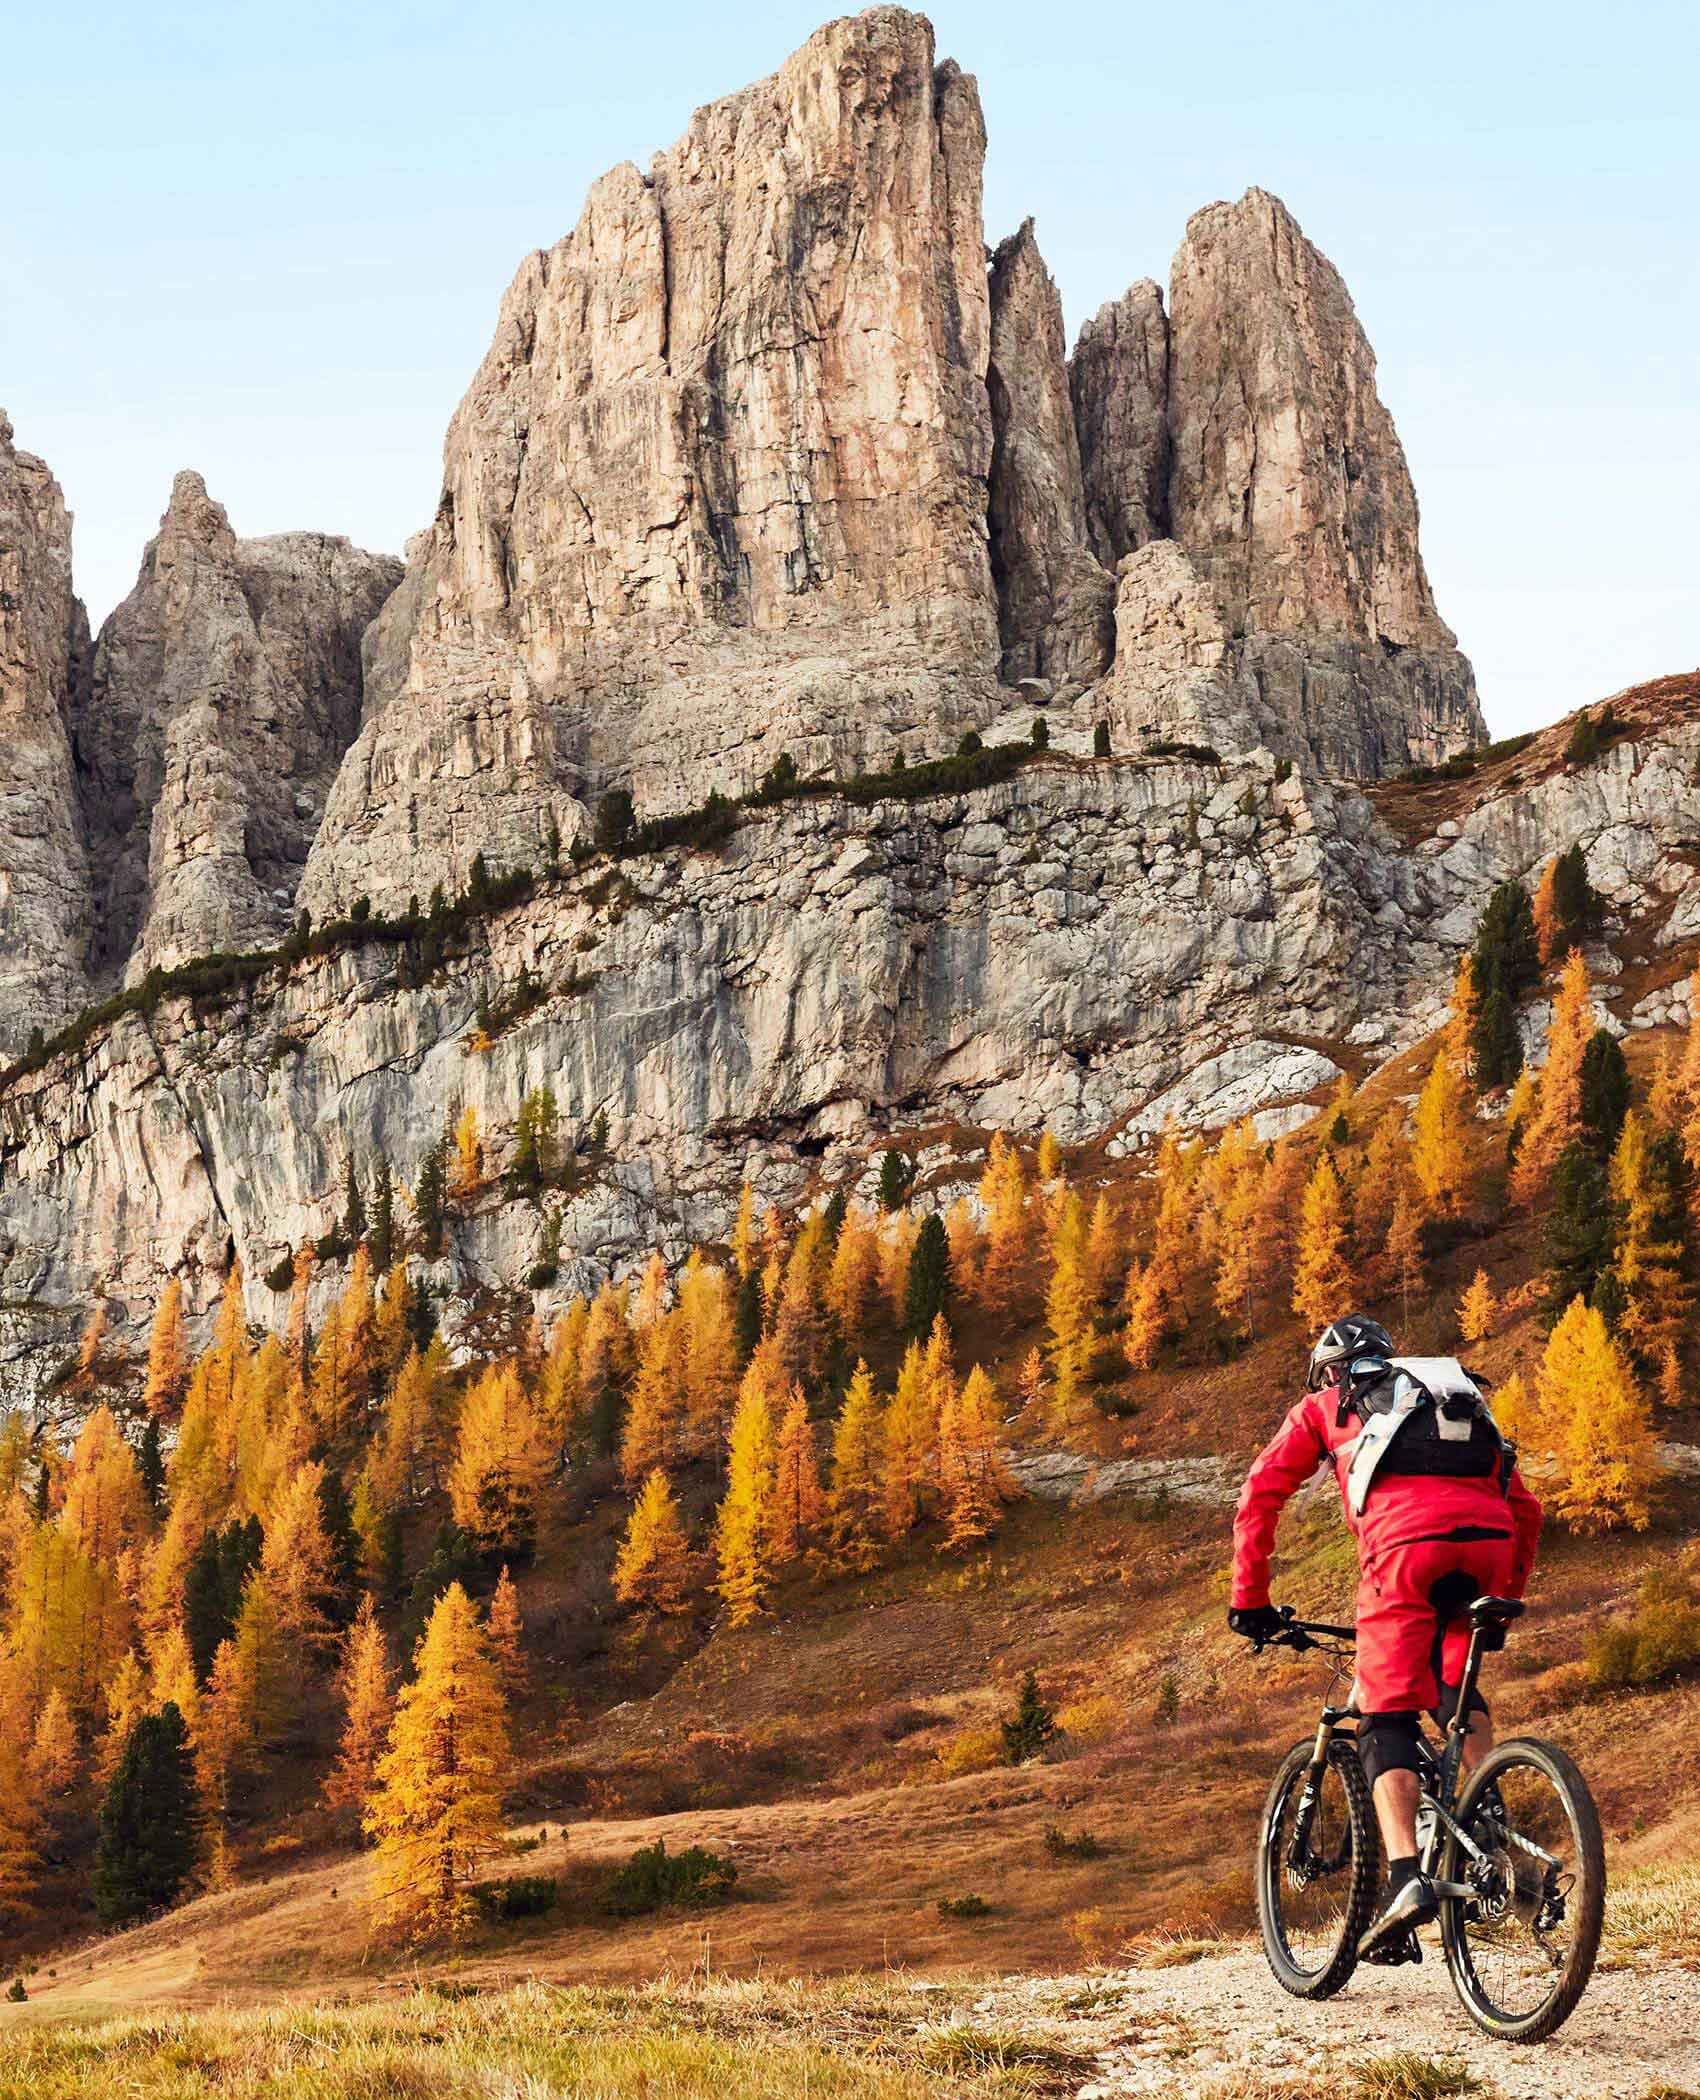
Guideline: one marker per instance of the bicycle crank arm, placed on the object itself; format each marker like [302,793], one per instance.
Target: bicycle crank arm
[1455,1891]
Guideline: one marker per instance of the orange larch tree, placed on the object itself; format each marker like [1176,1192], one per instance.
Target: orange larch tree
[1003,1196]
[1322,1276]
[168,1355]
[366,1687]
[436,1806]
[1593,1423]
[1070,1326]
[652,1567]
[1440,1158]
[1557,1115]
[743,1528]
[973,1478]
[856,1273]
[1477,1309]
[798,1503]
[505,1631]
[496,1481]
[855,1500]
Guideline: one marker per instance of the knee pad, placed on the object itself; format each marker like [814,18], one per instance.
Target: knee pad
[1387,1743]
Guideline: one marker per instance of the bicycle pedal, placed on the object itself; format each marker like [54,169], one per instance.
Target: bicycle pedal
[1395,1953]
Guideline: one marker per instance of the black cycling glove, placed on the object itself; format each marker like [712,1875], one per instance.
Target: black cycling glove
[1255,1622]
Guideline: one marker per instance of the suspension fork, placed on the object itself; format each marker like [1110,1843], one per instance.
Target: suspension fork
[1311,1792]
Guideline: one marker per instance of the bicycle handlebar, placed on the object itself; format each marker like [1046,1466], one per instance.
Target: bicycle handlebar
[1300,1634]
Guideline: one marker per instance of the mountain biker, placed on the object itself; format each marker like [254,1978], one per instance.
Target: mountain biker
[1441,1516]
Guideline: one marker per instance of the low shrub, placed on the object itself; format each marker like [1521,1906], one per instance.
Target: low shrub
[895,1721]
[1657,1641]
[971,1750]
[1175,747]
[520,1896]
[964,1907]
[1092,1718]
[1075,1844]
[653,1878]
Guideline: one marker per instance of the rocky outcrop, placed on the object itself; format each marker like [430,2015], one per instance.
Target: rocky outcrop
[1119,381]
[225,690]
[718,489]
[1178,675]
[1055,601]
[44,880]
[1288,488]
[1248,431]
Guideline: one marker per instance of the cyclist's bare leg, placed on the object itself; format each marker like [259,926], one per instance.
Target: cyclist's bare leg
[1396,1796]
[1478,1742]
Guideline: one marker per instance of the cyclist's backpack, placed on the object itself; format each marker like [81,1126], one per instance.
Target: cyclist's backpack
[1420,1414]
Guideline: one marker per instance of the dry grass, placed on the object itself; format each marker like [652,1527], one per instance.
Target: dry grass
[673,2041]
[1656,1910]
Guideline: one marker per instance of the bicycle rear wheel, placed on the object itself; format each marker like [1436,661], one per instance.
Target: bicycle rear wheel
[1521,1951]
[1317,1871]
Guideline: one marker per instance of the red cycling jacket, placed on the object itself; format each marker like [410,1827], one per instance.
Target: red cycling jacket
[1402,1507]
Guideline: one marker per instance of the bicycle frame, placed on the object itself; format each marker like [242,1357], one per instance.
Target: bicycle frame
[1439,1775]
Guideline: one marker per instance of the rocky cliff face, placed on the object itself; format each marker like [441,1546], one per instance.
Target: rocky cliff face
[1055,601]
[1119,381]
[1287,495]
[718,490]
[1288,486]
[44,877]
[1098,945]
[225,690]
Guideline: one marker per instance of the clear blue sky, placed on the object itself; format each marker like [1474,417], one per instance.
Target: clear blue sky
[268,242]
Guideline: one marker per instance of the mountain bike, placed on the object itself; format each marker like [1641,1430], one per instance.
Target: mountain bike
[1515,1855]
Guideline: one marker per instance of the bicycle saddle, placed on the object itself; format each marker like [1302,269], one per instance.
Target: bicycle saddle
[1496,1611]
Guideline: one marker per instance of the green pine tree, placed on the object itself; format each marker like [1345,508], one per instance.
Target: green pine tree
[897,1171]
[927,1292]
[150,1824]
[382,1240]
[150,1463]
[1605,1091]
[1495,1043]
[430,1198]
[353,1205]
[212,1588]
[1030,1727]
[615,816]
[1508,950]
[340,1600]
[1576,903]
[1580,1231]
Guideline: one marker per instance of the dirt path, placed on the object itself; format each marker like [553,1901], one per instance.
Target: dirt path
[1222,2023]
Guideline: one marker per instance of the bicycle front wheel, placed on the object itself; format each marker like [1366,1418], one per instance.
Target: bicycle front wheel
[1521,1950]
[1318,1866]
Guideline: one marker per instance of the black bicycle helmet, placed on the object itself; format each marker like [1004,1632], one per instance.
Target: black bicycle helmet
[1341,1340]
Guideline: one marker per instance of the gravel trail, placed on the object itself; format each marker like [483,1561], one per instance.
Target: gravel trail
[1223,2024]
